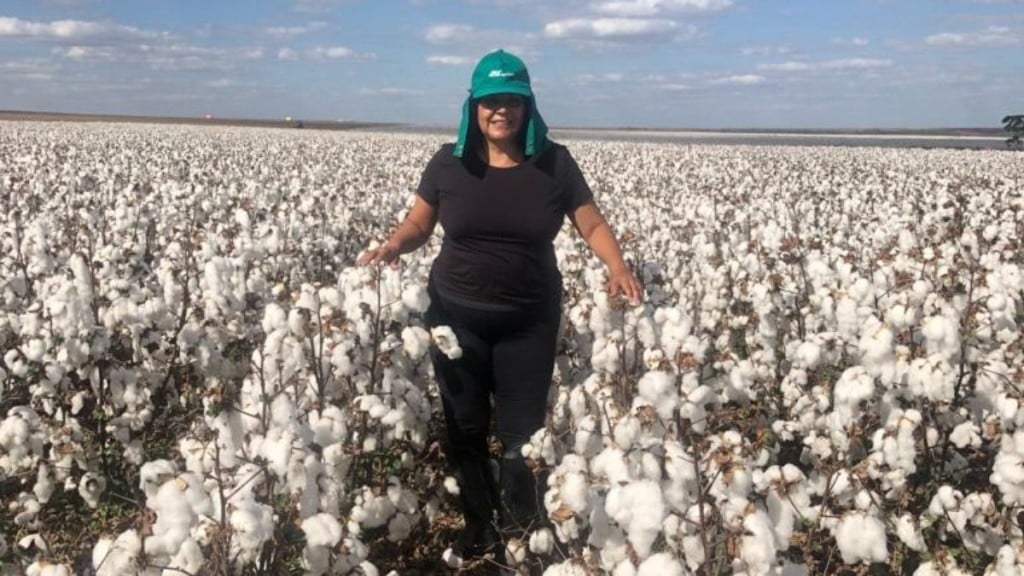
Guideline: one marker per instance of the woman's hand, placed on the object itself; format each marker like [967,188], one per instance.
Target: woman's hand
[622,281]
[386,253]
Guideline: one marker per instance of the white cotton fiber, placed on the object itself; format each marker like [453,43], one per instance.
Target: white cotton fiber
[639,509]
[861,538]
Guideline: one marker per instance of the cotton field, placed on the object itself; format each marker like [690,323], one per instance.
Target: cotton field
[825,377]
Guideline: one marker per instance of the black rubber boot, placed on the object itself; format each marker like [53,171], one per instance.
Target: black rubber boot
[520,497]
[522,505]
[478,499]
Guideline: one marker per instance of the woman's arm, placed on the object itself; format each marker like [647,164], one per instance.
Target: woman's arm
[592,226]
[412,233]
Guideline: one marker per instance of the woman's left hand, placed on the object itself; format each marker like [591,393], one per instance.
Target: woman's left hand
[623,282]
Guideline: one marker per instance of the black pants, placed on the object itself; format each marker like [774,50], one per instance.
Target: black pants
[509,354]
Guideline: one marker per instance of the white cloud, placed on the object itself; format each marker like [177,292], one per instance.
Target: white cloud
[607,78]
[450,60]
[333,52]
[789,66]
[85,41]
[390,91]
[85,53]
[338,53]
[184,57]
[993,36]
[76,31]
[855,64]
[470,43]
[656,7]
[32,69]
[293,31]
[449,33]
[766,50]
[855,41]
[287,54]
[737,80]
[838,64]
[286,31]
[609,28]
[221,83]
[316,6]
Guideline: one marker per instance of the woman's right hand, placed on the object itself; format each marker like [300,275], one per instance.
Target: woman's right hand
[386,253]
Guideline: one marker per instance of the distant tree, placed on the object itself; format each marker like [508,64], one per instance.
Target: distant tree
[1014,125]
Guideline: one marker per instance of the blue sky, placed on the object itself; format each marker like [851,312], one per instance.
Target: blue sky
[651,63]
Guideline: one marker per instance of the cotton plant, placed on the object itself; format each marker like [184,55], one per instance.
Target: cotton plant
[810,343]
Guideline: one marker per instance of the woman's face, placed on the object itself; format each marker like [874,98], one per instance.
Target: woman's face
[500,116]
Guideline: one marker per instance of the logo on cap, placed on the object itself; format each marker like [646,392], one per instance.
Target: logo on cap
[500,74]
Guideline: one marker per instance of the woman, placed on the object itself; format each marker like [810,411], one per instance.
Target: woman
[501,192]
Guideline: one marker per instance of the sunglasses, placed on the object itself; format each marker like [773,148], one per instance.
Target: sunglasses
[495,101]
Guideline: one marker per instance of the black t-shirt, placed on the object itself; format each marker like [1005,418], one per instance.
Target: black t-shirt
[500,224]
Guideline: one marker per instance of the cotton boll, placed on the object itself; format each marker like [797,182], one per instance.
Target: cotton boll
[611,464]
[876,349]
[626,432]
[1008,468]
[661,564]
[400,526]
[415,298]
[274,318]
[1009,562]
[909,532]
[574,492]
[541,447]
[44,568]
[91,487]
[639,509]
[308,299]
[370,510]
[808,355]
[174,518]
[118,556]
[942,336]
[189,557]
[658,389]
[896,440]
[933,378]
[415,341]
[29,511]
[624,568]
[322,530]
[854,386]
[299,322]
[758,545]
[861,538]
[329,427]
[253,524]
[606,356]
[44,485]
[153,474]
[515,552]
[446,341]
[542,541]
[451,559]
[34,350]
[33,543]
[965,434]
[587,439]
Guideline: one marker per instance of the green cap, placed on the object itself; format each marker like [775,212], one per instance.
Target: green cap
[500,73]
